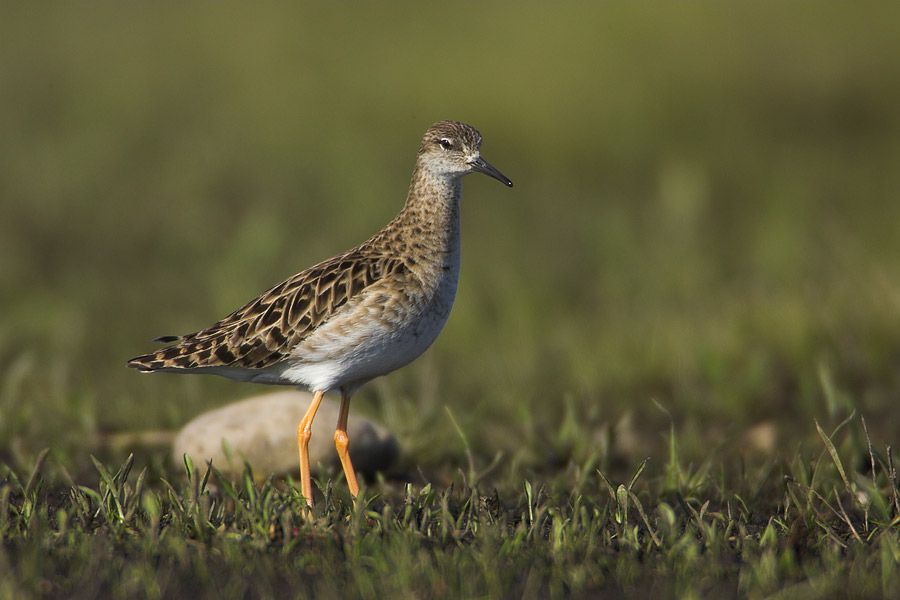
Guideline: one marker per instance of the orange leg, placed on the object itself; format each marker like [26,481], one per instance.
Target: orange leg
[304,432]
[342,443]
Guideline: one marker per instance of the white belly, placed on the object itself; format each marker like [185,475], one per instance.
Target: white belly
[377,334]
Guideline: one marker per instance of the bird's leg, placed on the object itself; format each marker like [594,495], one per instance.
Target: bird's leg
[304,432]
[342,443]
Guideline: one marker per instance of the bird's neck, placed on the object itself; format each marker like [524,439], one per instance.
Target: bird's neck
[430,218]
[433,199]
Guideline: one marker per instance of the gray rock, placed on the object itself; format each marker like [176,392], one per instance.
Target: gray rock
[263,431]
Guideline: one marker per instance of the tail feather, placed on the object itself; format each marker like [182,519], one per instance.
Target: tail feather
[210,351]
[188,354]
[145,363]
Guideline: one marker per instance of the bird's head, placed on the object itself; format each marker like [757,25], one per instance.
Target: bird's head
[453,149]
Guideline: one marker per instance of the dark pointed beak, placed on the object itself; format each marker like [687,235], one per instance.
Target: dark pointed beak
[482,166]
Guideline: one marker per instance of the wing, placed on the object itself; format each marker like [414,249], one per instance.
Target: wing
[265,330]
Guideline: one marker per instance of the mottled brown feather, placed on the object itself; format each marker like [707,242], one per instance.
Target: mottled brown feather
[264,331]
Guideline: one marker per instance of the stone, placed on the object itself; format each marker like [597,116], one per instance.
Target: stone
[263,431]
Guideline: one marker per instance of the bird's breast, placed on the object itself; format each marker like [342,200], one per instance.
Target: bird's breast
[387,326]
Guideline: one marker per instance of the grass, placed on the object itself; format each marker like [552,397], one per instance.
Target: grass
[698,264]
[810,529]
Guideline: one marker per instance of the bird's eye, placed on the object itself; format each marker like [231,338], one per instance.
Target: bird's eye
[446,144]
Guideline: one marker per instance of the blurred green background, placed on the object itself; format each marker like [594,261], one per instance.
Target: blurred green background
[705,214]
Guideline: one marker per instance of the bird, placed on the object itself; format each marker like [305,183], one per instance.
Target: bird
[354,317]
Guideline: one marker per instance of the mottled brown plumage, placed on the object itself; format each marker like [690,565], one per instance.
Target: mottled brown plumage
[263,332]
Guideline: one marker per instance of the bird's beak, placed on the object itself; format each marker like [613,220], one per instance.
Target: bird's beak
[482,166]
